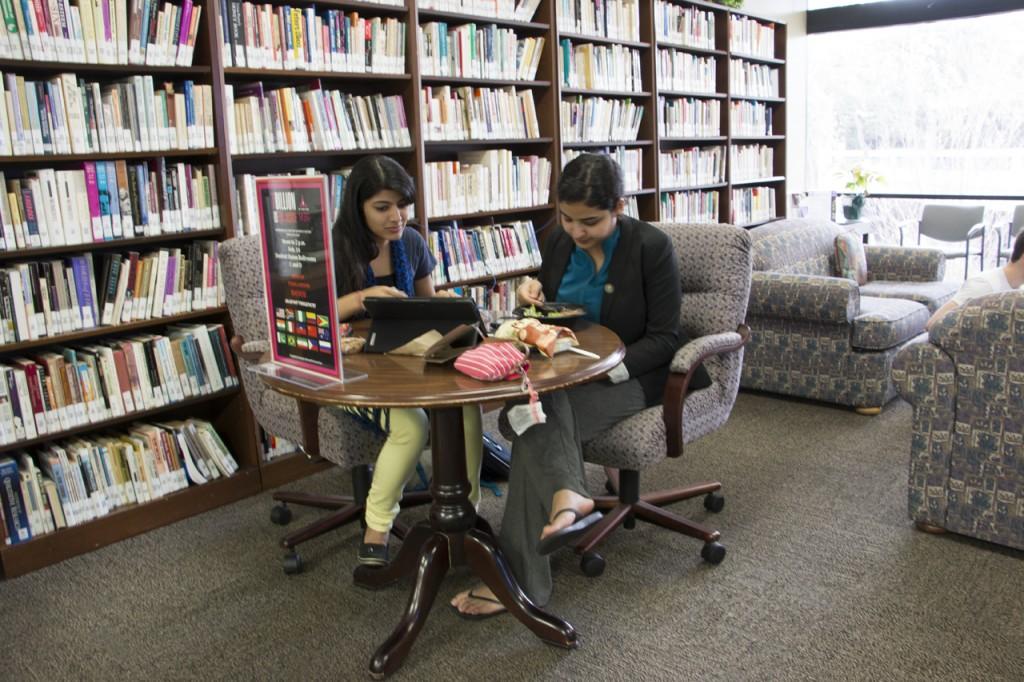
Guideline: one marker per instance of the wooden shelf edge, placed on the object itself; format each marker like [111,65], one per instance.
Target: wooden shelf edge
[605,93]
[110,330]
[246,72]
[124,523]
[169,237]
[583,37]
[692,94]
[35,159]
[326,152]
[692,188]
[758,181]
[488,278]
[8,64]
[484,214]
[470,80]
[284,470]
[430,144]
[611,143]
[500,21]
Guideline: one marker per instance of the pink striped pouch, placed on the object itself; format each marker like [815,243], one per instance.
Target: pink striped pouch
[493,362]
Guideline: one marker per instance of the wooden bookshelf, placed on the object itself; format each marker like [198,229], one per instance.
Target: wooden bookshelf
[227,410]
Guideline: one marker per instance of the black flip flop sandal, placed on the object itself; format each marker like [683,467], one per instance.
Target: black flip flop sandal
[569,534]
[480,616]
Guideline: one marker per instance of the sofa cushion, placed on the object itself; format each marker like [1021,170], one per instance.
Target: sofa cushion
[887,322]
[931,294]
[851,262]
[796,247]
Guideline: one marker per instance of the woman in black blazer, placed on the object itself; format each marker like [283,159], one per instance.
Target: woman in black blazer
[623,271]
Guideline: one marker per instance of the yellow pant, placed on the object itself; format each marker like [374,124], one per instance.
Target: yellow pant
[407,436]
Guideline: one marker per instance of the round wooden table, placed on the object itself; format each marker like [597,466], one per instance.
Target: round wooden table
[453,535]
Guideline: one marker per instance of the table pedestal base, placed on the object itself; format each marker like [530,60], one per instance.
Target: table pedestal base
[454,536]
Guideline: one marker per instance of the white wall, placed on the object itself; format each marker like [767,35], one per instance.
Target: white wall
[794,13]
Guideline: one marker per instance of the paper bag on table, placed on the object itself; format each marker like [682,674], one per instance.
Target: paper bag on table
[435,347]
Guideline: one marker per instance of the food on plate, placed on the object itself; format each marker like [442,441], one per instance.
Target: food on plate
[547,338]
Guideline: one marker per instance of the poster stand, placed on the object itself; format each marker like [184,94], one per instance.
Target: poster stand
[300,377]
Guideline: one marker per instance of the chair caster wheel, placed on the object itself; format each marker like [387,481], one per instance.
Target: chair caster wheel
[592,564]
[292,564]
[713,552]
[281,515]
[714,502]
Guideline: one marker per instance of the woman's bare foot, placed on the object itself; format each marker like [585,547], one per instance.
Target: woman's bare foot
[477,602]
[566,499]
[375,537]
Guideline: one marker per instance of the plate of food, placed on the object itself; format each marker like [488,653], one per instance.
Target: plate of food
[564,314]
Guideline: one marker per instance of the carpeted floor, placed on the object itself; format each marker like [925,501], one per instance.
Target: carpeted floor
[825,579]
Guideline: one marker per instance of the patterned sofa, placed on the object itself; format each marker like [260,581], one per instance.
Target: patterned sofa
[967,450]
[816,335]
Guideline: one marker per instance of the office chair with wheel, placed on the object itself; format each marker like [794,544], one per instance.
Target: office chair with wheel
[342,440]
[715,271]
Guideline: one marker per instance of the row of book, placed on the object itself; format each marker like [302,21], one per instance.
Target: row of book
[750,36]
[753,80]
[275,447]
[481,251]
[68,115]
[600,119]
[689,117]
[102,201]
[630,160]
[486,180]
[265,36]
[692,167]
[520,10]
[467,113]
[50,298]
[77,480]
[678,70]
[498,300]
[750,118]
[605,18]
[100,31]
[752,204]
[478,51]
[690,207]
[685,26]
[48,393]
[248,210]
[599,67]
[751,162]
[310,118]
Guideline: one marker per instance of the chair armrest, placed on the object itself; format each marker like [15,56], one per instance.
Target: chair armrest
[977,230]
[834,300]
[686,361]
[905,263]
[249,351]
[924,375]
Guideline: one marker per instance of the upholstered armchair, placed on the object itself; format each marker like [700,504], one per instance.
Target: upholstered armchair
[342,440]
[714,267]
[966,385]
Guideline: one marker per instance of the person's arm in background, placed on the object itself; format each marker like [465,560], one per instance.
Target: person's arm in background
[351,305]
[946,308]
[663,298]
[972,288]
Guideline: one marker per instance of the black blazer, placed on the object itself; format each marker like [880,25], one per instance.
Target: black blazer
[641,298]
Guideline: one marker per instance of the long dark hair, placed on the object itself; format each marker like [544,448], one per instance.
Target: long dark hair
[591,179]
[354,246]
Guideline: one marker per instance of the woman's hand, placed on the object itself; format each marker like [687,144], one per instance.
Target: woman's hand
[445,293]
[380,290]
[530,292]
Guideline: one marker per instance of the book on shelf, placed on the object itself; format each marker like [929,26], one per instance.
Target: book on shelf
[498,300]
[486,180]
[747,79]
[629,160]
[684,25]
[477,51]
[247,208]
[632,209]
[77,480]
[692,166]
[600,119]
[265,36]
[51,298]
[689,117]
[481,251]
[45,393]
[751,162]
[100,31]
[599,67]
[752,37]
[750,118]
[519,10]
[752,204]
[275,447]
[311,118]
[603,18]
[678,70]
[468,113]
[690,206]
[102,201]
[69,115]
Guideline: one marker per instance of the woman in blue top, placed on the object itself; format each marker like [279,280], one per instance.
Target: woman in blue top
[375,254]
[623,272]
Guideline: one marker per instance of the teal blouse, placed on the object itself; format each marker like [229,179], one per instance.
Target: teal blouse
[581,284]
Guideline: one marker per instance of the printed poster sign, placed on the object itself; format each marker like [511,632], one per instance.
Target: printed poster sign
[298,272]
